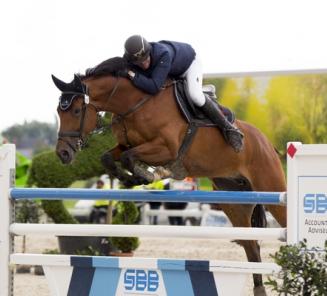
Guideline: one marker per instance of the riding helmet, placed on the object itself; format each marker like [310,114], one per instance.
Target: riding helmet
[137,49]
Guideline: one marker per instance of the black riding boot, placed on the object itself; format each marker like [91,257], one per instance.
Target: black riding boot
[232,135]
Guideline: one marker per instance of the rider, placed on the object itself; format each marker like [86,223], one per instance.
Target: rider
[153,62]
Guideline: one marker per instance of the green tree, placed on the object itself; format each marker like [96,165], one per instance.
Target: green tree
[219,83]
[258,115]
[297,108]
[237,95]
[247,92]
[36,135]
[230,95]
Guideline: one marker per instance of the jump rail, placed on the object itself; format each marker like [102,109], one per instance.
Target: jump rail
[306,209]
[204,232]
[227,197]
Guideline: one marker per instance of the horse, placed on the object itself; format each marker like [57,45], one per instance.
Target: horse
[150,132]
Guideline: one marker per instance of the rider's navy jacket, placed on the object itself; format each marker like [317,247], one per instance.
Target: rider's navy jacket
[168,59]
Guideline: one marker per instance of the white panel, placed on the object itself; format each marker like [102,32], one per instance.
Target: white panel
[58,278]
[7,179]
[231,284]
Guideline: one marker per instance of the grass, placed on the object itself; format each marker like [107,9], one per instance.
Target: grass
[205,184]
[71,203]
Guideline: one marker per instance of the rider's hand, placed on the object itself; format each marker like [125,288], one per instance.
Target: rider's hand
[131,74]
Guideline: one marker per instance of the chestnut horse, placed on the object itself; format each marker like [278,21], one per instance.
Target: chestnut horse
[150,131]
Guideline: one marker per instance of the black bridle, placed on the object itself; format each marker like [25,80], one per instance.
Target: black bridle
[82,141]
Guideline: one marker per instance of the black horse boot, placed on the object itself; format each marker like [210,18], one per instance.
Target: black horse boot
[232,135]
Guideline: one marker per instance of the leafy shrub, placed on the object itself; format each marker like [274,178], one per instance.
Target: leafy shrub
[304,271]
[48,172]
[127,213]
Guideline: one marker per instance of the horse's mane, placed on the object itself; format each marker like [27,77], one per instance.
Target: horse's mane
[114,66]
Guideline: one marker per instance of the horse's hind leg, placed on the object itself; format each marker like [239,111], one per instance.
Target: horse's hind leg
[279,213]
[273,182]
[240,216]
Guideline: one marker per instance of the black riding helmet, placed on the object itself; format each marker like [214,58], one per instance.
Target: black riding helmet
[137,49]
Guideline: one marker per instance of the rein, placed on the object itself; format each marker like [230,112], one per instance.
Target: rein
[81,142]
[121,117]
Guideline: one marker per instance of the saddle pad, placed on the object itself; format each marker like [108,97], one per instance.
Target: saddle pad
[193,113]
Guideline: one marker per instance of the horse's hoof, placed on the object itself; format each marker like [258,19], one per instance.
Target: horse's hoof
[144,175]
[142,181]
[128,182]
[259,291]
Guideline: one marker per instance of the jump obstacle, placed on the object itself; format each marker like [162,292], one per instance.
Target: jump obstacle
[111,276]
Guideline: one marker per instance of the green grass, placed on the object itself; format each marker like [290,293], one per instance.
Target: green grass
[205,184]
[69,204]
[77,184]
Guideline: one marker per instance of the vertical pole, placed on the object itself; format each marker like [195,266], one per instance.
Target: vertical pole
[292,192]
[7,180]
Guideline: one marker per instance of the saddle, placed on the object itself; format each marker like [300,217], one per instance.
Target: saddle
[193,113]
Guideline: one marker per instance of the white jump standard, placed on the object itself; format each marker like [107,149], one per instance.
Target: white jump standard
[83,275]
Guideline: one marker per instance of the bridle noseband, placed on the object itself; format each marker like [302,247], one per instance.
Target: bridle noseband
[82,141]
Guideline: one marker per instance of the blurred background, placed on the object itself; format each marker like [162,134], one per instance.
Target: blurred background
[267,60]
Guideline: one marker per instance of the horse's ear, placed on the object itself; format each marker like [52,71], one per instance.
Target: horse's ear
[62,86]
[78,84]
[76,78]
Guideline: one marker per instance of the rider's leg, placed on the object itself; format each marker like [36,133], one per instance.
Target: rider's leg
[193,77]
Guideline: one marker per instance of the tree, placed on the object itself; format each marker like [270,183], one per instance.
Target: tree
[219,83]
[36,135]
[230,95]
[297,108]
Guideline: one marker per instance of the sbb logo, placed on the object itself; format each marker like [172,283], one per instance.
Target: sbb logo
[315,203]
[141,280]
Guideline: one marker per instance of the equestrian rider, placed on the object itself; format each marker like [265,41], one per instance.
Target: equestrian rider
[153,62]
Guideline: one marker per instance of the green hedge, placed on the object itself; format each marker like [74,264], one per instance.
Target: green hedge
[48,172]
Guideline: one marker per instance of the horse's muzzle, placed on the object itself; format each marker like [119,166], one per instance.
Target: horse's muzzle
[65,153]
[65,156]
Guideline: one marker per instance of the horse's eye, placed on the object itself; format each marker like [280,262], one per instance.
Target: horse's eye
[77,111]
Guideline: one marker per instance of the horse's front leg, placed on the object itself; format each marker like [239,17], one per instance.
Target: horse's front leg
[138,159]
[139,170]
[109,160]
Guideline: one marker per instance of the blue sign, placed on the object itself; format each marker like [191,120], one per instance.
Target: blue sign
[315,203]
[141,280]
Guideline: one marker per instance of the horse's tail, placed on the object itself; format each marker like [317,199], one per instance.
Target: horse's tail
[258,218]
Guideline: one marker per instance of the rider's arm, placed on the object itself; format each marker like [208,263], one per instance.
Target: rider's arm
[158,77]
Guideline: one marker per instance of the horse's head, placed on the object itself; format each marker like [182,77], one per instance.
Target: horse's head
[78,117]
[100,89]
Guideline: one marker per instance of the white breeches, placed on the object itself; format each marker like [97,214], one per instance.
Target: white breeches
[193,76]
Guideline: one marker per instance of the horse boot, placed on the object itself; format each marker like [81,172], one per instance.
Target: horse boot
[232,135]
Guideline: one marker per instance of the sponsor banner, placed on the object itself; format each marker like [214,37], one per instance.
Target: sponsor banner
[312,209]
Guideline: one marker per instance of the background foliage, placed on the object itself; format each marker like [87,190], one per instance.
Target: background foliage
[47,171]
[35,135]
[284,108]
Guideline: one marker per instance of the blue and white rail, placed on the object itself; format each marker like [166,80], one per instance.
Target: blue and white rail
[71,275]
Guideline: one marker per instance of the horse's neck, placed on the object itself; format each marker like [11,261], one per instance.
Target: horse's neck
[115,95]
